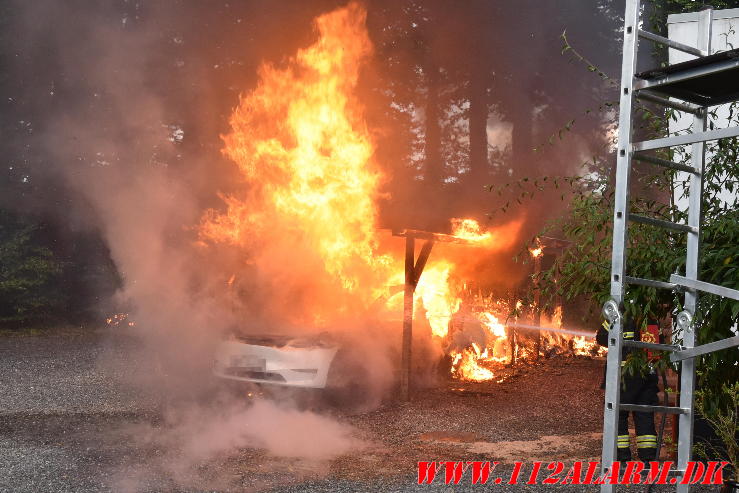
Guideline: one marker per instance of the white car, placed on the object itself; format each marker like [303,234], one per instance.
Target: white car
[276,360]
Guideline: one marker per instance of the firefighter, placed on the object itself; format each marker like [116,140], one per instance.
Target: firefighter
[639,388]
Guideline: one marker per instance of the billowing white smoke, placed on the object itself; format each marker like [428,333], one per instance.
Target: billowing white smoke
[118,150]
[281,431]
[192,437]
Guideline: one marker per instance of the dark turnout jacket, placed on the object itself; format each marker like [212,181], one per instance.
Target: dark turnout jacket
[630,331]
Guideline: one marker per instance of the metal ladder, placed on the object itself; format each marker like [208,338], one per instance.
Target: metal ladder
[633,87]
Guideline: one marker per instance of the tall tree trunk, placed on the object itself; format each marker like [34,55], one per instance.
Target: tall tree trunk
[522,136]
[432,141]
[478,121]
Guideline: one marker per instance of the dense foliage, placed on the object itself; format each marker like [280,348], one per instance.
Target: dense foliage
[582,272]
[29,273]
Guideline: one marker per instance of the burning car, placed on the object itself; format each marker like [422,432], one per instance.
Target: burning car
[306,221]
[277,360]
[316,369]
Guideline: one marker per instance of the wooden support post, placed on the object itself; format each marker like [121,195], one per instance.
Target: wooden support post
[410,285]
[413,270]
[512,339]
[537,303]
[423,256]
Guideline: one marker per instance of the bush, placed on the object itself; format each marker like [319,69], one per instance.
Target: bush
[29,272]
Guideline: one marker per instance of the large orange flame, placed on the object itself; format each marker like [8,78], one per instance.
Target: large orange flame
[306,213]
[438,297]
[300,142]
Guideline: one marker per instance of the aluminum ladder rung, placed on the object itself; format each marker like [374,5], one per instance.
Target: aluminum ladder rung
[664,163]
[679,140]
[672,44]
[678,105]
[706,287]
[663,224]
[649,282]
[641,408]
[705,348]
[693,73]
[652,345]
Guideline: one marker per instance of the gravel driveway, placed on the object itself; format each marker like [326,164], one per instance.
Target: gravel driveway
[66,424]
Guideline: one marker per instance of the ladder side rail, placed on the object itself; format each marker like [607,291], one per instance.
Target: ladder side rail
[620,231]
[687,374]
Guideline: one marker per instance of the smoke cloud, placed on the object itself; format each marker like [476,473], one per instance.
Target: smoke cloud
[139,162]
[191,437]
